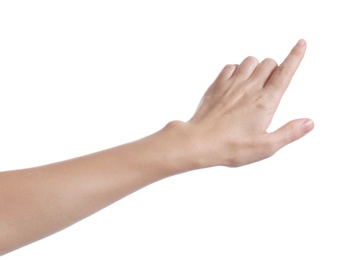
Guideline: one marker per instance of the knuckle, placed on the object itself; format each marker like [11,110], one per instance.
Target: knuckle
[280,76]
[262,102]
[281,69]
[292,135]
[230,66]
[252,59]
[270,62]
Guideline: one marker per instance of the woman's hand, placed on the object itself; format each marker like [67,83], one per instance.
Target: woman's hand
[229,126]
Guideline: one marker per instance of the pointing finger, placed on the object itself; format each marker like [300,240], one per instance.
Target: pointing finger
[281,77]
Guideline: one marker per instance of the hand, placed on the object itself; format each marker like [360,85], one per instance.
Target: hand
[228,128]
[230,124]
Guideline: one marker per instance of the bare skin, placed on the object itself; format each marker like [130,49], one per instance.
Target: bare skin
[229,128]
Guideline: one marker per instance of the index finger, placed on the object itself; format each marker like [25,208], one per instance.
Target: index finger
[281,77]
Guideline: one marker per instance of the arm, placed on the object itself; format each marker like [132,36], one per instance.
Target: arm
[228,128]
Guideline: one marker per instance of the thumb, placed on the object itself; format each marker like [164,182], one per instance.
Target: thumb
[291,132]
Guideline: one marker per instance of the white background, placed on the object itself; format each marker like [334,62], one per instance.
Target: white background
[81,76]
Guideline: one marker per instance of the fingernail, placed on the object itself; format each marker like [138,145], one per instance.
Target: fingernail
[307,126]
[301,43]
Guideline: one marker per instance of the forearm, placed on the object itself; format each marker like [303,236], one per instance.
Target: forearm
[54,196]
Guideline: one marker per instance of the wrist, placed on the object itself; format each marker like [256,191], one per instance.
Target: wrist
[180,147]
[188,151]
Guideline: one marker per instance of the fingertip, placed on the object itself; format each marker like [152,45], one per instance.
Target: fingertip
[307,126]
[301,43]
[299,48]
[292,131]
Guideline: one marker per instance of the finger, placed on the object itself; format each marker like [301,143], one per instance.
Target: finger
[263,71]
[246,68]
[291,132]
[227,72]
[280,79]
